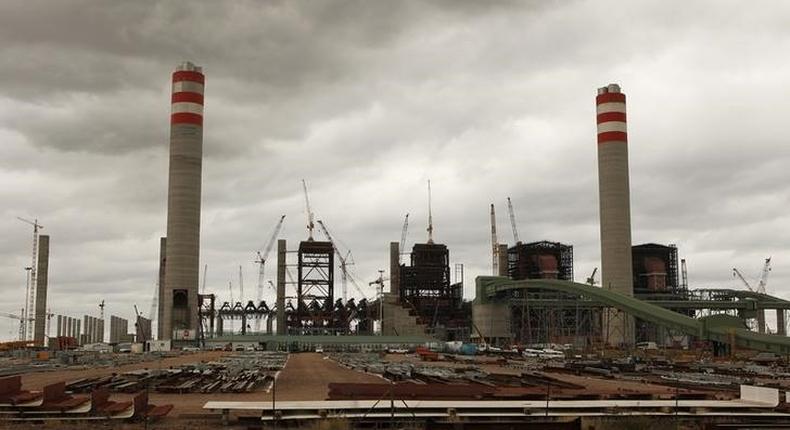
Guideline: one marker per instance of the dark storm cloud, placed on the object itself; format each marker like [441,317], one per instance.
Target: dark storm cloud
[367,101]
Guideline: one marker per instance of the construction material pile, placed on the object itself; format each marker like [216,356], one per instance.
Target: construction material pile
[239,373]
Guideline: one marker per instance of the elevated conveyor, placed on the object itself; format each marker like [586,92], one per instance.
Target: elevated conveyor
[491,287]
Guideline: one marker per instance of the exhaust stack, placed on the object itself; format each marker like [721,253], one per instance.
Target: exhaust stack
[615,209]
[180,289]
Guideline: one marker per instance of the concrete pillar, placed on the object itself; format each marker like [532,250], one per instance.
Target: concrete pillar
[492,321]
[761,320]
[281,329]
[161,299]
[269,324]
[395,269]
[781,324]
[615,208]
[77,328]
[183,201]
[502,255]
[59,325]
[99,330]
[69,327]
[42,272]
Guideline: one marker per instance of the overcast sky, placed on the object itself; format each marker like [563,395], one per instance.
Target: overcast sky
[367,101]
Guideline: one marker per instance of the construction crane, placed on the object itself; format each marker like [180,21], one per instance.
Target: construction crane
[241,286]
[21,322]
[761,283]
[203,287]
[101,310]
[137,325]
[261,260]
[345,261]
[403,238]
[494,244]
[430,215]
[380,282]
[310,225]
[591,279]
[154,301]
[513,221]
[30,289]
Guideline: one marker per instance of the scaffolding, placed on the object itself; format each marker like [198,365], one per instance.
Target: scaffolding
[315,286]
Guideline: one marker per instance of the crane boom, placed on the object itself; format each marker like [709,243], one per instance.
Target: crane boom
[764,276]
[737,273]
[344,263]
[30,290]
[430,215]
[494,244]
[513,220]
[310,225]
[403,237]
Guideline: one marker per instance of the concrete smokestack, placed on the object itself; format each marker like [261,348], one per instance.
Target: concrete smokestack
[183,202]
[615,207]
[42,274]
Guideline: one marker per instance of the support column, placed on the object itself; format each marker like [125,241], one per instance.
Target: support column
[502,255]
[395,269]
[761,320]
[281,329]
[781,324]
[42,272]
[160,309]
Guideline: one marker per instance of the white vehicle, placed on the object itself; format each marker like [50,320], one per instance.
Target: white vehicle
[551,353]
[647,345]
[542,353]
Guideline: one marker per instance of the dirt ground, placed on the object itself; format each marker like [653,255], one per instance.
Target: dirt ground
[306,376]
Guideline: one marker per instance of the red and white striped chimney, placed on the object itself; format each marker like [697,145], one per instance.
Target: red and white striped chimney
[615,207]
[178,314]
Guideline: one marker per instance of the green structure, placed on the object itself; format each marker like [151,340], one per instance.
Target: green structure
[494,290]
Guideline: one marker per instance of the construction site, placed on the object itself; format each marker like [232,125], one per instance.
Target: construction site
[536,346]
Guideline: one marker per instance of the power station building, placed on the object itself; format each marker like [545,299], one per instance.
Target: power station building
[178,315]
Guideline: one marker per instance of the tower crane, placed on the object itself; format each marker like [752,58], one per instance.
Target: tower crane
[30,290]
[430,215]
[203,287]
[241,286]
[261,260]
[513,221]
[21,320]
[310,225]
[101,310]
[380,282]
[591,279]
[761,283]
[154,301]
[403,237]
[345,261]
[494,244]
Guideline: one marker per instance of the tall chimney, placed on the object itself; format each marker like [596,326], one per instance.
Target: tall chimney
[615,207]
[42,274]
[180,307]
